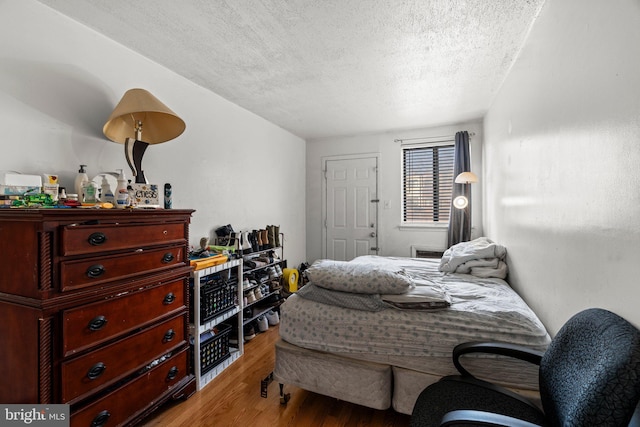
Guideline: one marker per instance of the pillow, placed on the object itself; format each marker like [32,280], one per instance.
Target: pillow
[359,278]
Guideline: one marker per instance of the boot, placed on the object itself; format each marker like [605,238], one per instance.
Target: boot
[259,236]
[265,239]
[253,238]
[271,237]
[276,234]
[245,245]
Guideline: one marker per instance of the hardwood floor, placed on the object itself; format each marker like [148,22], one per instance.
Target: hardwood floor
[233,399]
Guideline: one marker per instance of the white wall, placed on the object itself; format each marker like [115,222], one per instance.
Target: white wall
[59,81]
[392,240]
[561,153]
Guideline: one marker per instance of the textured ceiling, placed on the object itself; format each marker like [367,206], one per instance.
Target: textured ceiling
[323,68]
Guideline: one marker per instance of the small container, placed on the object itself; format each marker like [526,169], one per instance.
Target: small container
[167,196]
[122,195]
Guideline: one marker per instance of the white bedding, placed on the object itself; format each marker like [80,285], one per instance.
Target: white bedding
[481,309]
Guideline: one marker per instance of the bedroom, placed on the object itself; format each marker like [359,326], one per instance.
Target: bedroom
[557,156]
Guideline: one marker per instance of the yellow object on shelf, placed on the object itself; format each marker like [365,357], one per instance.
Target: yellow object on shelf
[291,278]
[201,263]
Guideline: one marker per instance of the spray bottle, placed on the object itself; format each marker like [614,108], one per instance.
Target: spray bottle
[122,195]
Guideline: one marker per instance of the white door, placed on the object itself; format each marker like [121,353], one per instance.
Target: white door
[351,213]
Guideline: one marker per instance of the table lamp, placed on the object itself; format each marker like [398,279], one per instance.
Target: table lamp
[137,109]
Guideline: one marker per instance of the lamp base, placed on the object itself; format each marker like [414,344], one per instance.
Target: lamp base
[133,152]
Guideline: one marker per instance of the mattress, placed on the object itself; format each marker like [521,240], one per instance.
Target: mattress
[482,309]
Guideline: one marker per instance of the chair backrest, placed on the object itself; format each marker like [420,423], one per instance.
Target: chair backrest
[590,374]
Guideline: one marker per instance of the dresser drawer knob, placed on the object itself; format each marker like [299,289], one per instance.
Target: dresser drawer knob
[169,335]
[101,419]
[97,239]
[167,258]
[96,370]
[97,323]
[169,298]
[173,372]
[95,271]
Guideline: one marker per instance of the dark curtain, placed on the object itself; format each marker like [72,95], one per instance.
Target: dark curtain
[460,219]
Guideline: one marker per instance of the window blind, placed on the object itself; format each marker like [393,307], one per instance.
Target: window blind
[427,183]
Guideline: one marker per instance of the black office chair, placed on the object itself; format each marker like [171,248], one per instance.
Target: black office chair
[589,376]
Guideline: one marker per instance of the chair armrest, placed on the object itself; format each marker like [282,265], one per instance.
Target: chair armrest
[481,418]
[504,349]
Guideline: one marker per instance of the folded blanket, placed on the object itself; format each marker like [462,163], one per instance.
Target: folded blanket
[420,298]
[480,257]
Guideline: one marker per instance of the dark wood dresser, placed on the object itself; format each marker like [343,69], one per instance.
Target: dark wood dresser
[93,310]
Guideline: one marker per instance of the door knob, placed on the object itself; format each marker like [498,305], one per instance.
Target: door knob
[373,234]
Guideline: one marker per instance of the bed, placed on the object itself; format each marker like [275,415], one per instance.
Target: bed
[376,331]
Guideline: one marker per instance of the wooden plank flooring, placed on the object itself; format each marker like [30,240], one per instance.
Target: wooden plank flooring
[233,399]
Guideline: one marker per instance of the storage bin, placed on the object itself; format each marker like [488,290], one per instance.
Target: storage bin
[217,295]
[214,347]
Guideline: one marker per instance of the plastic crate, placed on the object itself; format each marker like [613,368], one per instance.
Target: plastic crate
[214,347]
[217,295]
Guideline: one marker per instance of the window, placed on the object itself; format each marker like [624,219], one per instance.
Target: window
[427,183]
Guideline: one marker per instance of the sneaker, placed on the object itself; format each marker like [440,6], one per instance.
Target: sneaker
[272,317]
[252,297]
[245,283]
[249,332]
[263,323]
[258,294]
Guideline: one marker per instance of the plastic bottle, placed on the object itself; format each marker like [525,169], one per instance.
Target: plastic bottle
[122,195]
[167,196]
[106,195]
[81,179]
[89,191]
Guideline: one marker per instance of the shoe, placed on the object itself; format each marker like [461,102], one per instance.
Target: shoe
[249,332]
[245,246]
[247,313]
[245,283]
[263,323]
[272,317]
[251,297]
[271,237]
[257,294]
[233,336]
[274,286]
[276,235]
[265,239]
[245,300]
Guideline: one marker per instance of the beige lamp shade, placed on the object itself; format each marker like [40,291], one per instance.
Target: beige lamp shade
[466,178]
[137,108]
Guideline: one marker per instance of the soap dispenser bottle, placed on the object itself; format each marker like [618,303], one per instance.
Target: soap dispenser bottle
[106,195]
[122,194]
[80,182]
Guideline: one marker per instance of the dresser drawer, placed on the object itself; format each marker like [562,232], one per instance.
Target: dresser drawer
[108,364]
[88,239]
[94,271]
[94,323]
[120,405]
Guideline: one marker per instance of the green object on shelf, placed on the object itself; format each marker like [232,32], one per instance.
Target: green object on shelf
[221,249]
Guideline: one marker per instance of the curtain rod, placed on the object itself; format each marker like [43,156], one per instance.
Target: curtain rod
[443,137]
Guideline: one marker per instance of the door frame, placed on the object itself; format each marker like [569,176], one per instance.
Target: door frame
[323,190]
